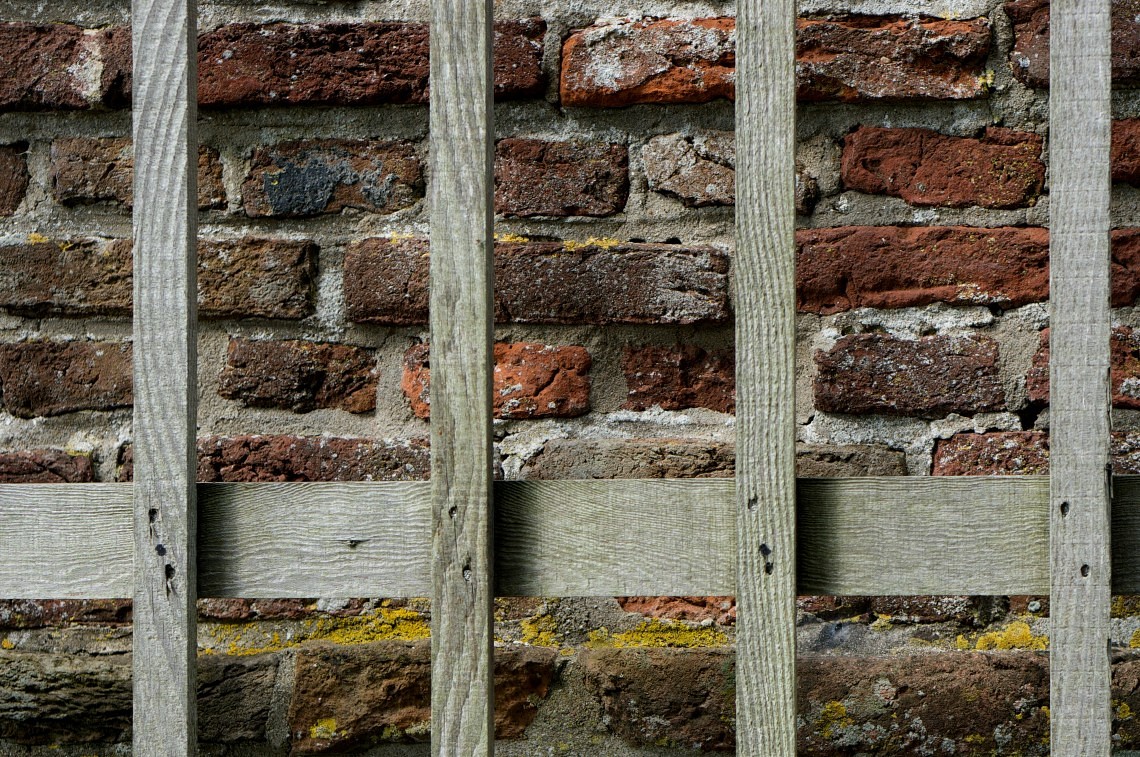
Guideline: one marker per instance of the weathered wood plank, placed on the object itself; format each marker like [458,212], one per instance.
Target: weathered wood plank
[765,378]
[1079,124]
[461,321]
[165,375]
[561,538]
[314,540]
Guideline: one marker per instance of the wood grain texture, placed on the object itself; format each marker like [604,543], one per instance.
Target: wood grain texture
[165,375]
[1080,506]
[461,321]
[765,378]
[983,535]
[66,541]
[314,540]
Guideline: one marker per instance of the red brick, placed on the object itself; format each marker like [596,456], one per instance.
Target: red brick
[999,453]
[1125,369]
[381,692]
[867,58]
[1030,56]
[344,63]
[926,609]
[42,613]
[928,377]
[45,466]
[52,378]
[386,282]
[834,608]
[540,178]
[256,277]
[720,610]
[530,381]
[64,67]
[1125,266]
[241,278]
[1002,169]
[13,177]
[677,378]
[87,170]
[313,177]
[890,266]
[299,375]
[848,58]
[1125,157]
[308,458]
[72,277]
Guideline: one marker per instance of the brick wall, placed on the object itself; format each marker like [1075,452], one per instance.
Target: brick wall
[922,278]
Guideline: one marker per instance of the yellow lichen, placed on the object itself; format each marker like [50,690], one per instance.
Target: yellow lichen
[1016,635]
[383,623]
[962,642]
[975,738]
[834,715]
[539,632]
[986,79]
[1134,642]
[397,236]
[511,238]
[604,243]
[657,633]
[37,238]
[324,729]
[1121,710]
[882,623]
[7,644]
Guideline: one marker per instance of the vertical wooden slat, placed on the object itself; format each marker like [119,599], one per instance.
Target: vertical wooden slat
[461,361]
[1080,498]
[765,375]
[165,360]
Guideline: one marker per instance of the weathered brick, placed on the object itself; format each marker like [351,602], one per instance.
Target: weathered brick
[534,177]
[308,458]
[64,67]
[1125,155]
[677,458]
[63,699]
[530,381]
[241,278]
[233,610]
[676,378]
[926,609]
[649,61]
[45,466]
[929,377]
[720,610]
[863,58]
[999,453]
[299,375]
[13,177]
[834,608]
[255,277]
[1030,56]
[52,378]
[848,58]
[44,613]
[1125,369]
[700,170]
[1125,446]
[1002,169]
[87,170]
[890,266]
[343,63]
[73,277]
[386,282]
[312,177]
[381,692]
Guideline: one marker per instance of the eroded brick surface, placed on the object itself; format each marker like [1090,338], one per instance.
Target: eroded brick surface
[299,375]
[307,458]
[53,378]
[676,378]
[530,381]
[534,177]
[1002,169]
[1030,57]
[929,377]
[64,67]
[13,177]
[998,453]
[1125,369]
[314,177]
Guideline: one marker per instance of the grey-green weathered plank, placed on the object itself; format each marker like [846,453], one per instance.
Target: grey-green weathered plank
[765,378]
[1080,192]
[461,320]
[165,375]
[314,540]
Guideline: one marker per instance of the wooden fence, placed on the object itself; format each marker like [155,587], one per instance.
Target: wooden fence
[763,537]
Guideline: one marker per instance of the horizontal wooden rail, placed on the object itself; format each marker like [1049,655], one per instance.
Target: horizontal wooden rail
[928,535]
